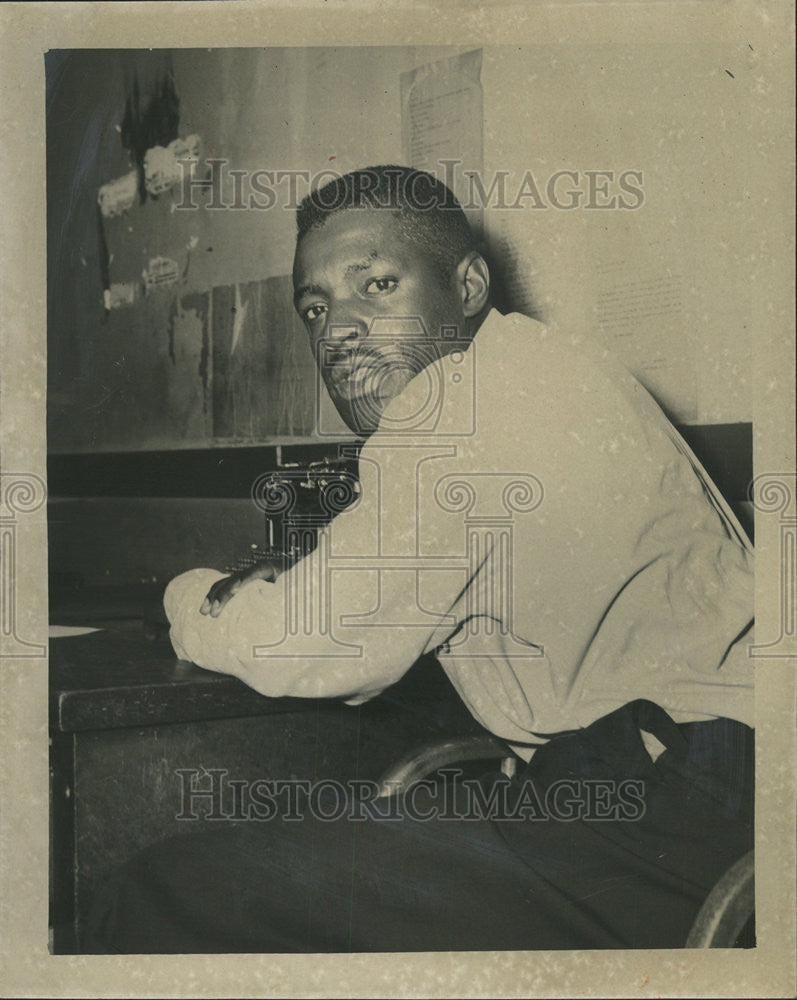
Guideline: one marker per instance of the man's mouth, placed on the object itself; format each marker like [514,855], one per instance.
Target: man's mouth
[363,379]
[371,373]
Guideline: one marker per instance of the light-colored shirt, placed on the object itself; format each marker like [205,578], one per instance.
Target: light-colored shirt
[527,512]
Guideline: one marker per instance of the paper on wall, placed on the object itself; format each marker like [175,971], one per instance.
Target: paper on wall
[643,312]
[442,118]
[119,195]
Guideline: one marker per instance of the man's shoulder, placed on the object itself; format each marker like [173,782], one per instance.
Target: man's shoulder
[524,354]
[510,324]
[518,340]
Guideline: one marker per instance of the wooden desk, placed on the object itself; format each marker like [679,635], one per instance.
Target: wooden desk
[126,716]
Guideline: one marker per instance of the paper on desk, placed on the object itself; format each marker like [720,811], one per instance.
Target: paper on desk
[64,631]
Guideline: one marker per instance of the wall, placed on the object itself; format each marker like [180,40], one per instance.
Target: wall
[155,371]
[665,284]
[219,358]
[148,375]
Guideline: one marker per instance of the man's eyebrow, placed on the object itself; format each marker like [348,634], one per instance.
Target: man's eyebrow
[350,270]
[360,265]
[306,290]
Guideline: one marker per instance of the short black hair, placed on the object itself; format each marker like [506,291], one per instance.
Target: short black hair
[426,211]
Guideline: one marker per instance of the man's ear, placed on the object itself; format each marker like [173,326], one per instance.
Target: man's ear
[473,281]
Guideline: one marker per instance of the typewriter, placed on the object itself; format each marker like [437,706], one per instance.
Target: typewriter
[297,501]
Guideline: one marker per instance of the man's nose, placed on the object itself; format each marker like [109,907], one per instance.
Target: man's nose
[345,332]
[345,323]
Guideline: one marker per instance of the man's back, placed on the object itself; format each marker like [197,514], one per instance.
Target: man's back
[627,576]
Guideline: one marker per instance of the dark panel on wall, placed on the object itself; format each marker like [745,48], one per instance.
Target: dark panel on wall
[206,472]
[110,541]
[726,450]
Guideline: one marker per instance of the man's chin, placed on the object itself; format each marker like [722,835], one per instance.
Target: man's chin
[361,416]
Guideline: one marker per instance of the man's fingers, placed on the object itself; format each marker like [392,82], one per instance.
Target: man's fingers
[222,590]
[229,588]
[213,596]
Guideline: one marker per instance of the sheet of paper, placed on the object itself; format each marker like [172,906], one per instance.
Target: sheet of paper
[641,303]
[67,631]
[442,118]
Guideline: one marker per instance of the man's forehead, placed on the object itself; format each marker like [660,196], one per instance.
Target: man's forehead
[361,263]
[348,244]
[347,267]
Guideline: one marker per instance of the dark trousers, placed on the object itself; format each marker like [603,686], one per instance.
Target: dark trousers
[592,845]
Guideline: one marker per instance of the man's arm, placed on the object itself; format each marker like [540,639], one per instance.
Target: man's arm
[223,590]
[345,621]
[254,640]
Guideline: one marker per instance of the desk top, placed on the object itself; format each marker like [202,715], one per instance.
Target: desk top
[120,677]
[117,678]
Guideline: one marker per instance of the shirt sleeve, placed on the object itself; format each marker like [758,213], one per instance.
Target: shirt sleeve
[346,621]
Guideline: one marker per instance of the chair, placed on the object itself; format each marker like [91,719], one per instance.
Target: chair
[722,917]
[424,760]
[728,907]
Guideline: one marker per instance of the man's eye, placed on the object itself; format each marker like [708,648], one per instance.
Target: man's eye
[377,285]
[312,313]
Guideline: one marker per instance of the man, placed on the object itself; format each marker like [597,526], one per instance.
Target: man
[529,516]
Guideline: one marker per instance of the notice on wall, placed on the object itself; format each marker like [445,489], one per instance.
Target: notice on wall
[642,306]
[442,119]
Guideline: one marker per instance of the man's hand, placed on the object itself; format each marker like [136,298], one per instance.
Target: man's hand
[222,590]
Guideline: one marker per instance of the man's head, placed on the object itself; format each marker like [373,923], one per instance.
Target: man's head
[386,279]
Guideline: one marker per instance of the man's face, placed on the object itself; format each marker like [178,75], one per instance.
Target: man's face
[374,305]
